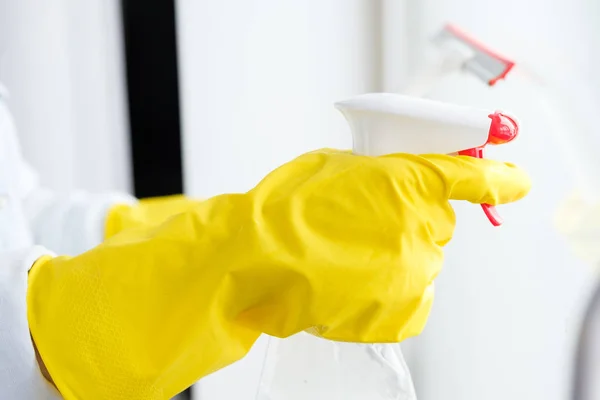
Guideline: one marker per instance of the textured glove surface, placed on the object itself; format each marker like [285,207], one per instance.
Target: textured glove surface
[346,246]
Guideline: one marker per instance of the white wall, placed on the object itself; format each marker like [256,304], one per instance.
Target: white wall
[62,62]
[258,80]
[509,299]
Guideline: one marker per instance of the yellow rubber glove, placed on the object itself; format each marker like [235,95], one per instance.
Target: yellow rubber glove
[345,244]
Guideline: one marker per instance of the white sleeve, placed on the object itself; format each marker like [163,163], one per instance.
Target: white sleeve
[20,376]
[71,223]
[68,224]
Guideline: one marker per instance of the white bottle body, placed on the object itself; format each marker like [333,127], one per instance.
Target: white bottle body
[305,367]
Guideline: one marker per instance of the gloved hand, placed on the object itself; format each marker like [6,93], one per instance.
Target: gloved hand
[347,245]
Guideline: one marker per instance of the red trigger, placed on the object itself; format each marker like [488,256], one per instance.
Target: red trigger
[476,152]
[503,129]
[489,210]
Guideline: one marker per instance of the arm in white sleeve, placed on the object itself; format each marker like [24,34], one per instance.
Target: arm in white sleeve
[70,223]
[20,376]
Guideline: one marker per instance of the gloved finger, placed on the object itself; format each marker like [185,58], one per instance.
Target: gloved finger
[481,181]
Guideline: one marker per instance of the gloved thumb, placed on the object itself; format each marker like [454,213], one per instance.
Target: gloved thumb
[481,181]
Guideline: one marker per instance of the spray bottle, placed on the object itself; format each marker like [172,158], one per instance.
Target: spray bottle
[308,367]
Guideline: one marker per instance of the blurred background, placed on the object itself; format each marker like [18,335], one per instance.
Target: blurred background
[158,97]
